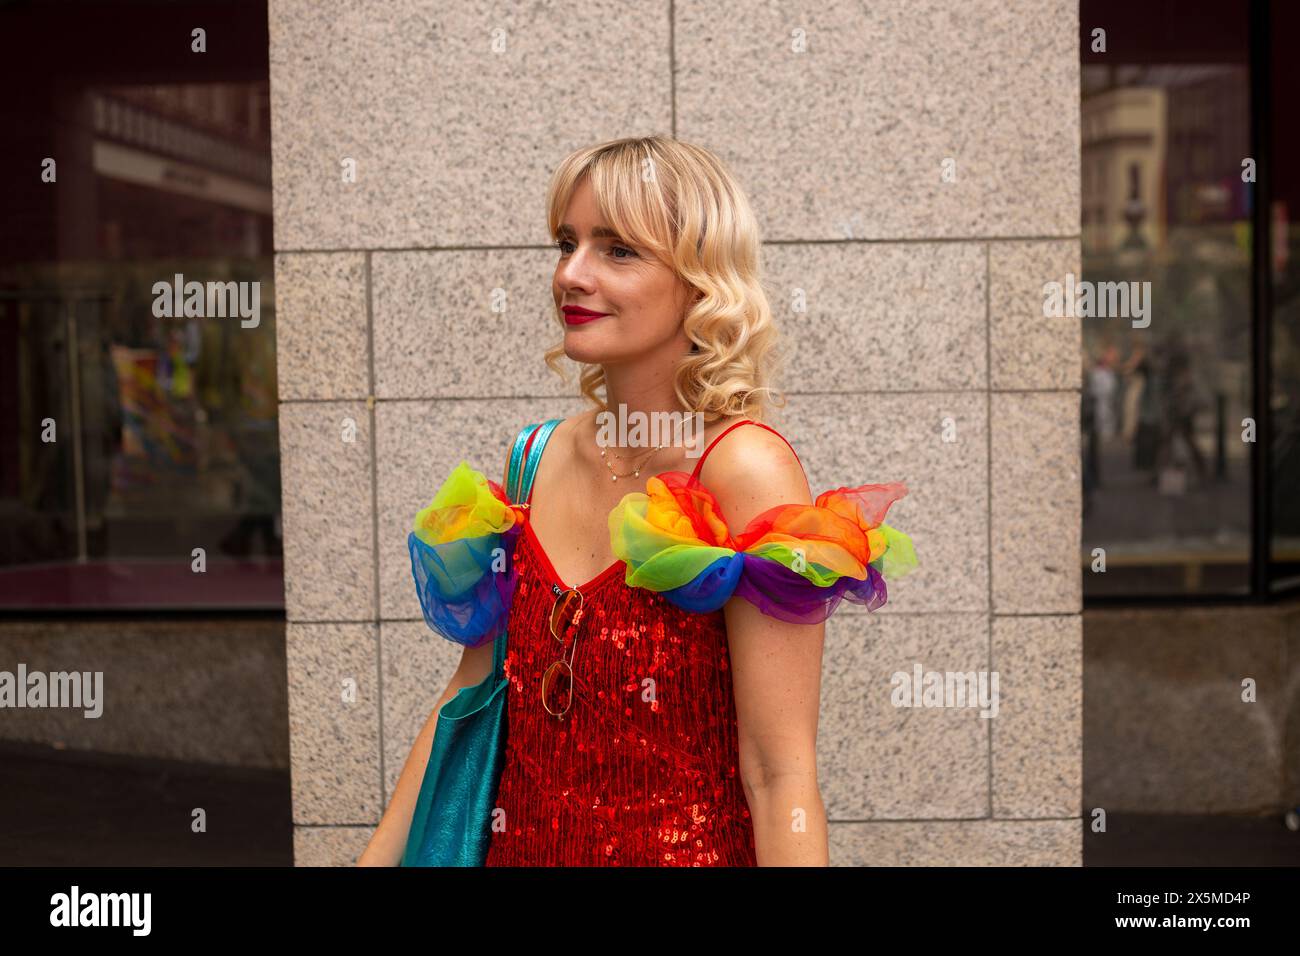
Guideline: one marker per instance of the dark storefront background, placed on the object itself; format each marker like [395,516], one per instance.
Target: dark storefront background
[1199,527]
[165,428]
[166,437]
[1180,99]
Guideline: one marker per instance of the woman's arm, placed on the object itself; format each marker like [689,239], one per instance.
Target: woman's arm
[775,666]
[388,842]
[776,678]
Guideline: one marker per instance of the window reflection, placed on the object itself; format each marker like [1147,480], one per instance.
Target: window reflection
[142,437]
[1285,327]
[1166,473]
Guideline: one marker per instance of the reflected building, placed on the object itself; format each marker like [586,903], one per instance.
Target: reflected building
[165,434]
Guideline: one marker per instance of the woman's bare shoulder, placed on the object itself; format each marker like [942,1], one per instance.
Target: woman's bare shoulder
[576,422]
[755,449]
[755,468]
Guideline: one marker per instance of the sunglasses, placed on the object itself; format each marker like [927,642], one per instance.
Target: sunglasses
[557,682]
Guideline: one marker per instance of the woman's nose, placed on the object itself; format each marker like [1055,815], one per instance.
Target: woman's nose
[573,271]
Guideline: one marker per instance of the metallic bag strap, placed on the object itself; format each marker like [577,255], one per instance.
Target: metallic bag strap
[520,482]
[519,485]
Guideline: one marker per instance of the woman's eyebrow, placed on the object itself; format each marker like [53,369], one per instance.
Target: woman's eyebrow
[600,232]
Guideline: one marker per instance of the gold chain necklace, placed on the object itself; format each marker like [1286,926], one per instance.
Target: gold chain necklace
[636,473]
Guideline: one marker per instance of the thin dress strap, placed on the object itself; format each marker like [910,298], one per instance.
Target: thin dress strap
[528,446]
[700,464]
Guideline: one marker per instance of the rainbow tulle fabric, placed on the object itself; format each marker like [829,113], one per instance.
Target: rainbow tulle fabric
[462,557]
[794,562]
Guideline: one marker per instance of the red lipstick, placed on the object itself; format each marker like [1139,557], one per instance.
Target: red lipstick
[577,315]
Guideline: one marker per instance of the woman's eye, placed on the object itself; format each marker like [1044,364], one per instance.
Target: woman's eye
[561,244]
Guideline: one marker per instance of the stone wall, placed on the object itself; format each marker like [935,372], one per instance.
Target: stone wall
[922,356]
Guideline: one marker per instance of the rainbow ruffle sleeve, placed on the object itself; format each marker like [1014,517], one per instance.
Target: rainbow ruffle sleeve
[795,562]
[462,557]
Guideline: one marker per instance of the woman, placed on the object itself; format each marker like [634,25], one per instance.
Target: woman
[687,736]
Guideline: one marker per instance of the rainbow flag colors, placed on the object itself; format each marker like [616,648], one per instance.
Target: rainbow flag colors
[462,556]
[795,562]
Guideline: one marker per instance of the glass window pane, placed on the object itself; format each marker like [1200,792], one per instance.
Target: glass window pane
[140,435]
[1167,373]
[1285,271]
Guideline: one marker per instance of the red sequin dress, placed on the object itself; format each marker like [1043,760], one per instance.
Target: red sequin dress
[643,769]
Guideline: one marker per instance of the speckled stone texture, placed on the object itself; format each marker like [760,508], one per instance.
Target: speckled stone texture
[453,114]
[1036,502]
[414,300]
[329,846]
[1211,751]
[968,843]
[879,760]
[460,324]
[322,345]
[326,469]
[1038,735]
[1030,350]
[219,699]
[847,139]
[333,723]
[879,317]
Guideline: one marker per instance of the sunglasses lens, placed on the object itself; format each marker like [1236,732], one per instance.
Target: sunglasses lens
[565,612]
[557,687]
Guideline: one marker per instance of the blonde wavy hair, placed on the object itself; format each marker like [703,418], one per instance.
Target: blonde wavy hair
[682,204]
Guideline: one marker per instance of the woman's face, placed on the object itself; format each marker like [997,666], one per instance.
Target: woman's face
[643,299]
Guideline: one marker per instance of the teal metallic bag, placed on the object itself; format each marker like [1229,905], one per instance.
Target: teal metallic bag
[452,821]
